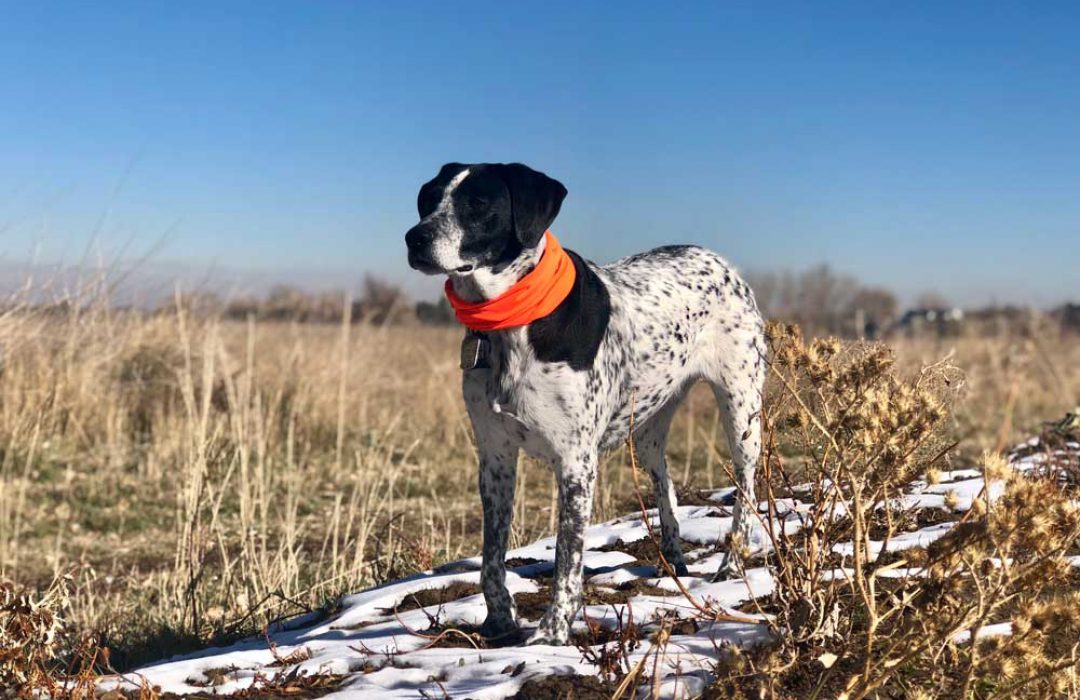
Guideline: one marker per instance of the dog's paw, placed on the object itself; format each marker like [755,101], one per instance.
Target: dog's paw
[673,561]
[549,633]
[497,627]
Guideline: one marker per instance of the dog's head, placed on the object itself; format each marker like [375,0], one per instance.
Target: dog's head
[481,216]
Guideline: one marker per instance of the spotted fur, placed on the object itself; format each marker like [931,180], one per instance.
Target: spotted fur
[637,334]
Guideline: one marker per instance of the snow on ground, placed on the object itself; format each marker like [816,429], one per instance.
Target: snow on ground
[380,655]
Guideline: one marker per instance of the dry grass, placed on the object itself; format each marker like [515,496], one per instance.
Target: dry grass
[197,478]
[1011,384]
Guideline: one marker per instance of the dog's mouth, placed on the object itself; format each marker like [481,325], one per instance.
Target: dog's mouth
[428,267]
[422,263]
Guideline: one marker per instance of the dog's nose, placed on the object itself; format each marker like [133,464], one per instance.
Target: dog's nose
[418,237]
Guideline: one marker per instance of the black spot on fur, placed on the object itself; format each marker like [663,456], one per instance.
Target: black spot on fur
[572,333]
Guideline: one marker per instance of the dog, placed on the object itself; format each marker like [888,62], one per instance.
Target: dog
[618,350]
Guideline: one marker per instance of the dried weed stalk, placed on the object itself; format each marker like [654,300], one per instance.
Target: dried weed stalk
[610,649]
[845,437]
[39,657]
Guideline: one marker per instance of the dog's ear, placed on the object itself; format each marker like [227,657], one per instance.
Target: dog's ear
[535,200]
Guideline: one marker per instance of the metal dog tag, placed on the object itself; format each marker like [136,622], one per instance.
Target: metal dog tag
[473,351]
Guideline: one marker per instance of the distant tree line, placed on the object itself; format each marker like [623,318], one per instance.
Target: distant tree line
[378,302]
[824,302]
[819,299]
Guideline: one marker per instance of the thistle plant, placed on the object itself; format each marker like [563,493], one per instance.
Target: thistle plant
[846,438]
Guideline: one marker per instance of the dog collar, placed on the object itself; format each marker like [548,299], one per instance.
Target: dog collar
[474,351]
[532,297]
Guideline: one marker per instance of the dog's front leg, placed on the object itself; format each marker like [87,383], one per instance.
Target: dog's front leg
[498,474]
[577,479]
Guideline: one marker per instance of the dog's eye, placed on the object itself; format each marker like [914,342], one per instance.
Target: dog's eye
[477,202]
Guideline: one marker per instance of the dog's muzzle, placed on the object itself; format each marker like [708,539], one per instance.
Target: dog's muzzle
[419,241]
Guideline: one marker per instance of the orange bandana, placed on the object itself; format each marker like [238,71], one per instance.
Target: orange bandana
[532,297]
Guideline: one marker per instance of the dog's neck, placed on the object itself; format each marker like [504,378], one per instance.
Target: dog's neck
[487,283]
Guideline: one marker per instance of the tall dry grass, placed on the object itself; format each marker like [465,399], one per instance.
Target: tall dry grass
[199,477]
[203,475]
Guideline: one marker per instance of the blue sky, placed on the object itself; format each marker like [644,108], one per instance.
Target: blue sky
[914,145]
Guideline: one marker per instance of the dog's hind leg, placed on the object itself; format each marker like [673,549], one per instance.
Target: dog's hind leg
[498,476]
[650,441]
[738,389]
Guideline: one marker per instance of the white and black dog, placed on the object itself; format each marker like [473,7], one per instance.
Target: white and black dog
[621,349]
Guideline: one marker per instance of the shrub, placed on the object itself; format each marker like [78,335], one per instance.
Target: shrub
[845,436]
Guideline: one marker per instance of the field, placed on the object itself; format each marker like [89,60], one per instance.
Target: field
[197,479]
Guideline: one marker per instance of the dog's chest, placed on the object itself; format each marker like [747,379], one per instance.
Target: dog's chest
[540,405]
